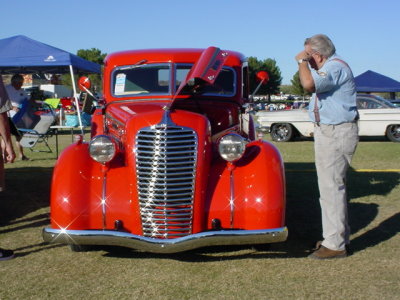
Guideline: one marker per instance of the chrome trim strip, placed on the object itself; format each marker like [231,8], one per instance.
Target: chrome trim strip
[171,201]
[217,136]
[193,241]
[171,153]
[110,117]
[232,199]
[103,200]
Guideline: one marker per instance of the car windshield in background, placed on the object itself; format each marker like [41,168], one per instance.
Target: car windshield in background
[373,102]
[395,103]
[155,79]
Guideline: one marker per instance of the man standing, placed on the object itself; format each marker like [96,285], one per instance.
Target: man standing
[333,110]
[9,155]
[18,97]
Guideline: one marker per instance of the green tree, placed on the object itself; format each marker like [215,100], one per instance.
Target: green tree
[286,89]
[275,78]
[297,88]
[93,55]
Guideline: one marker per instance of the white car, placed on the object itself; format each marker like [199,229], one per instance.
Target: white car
[378,117]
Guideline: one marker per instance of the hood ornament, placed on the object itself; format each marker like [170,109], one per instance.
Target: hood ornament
[166,120]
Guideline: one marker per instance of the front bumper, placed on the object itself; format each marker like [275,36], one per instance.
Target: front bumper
[193,241]
[263,129]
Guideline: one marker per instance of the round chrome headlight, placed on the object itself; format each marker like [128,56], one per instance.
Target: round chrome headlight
[102,149]
[232,146]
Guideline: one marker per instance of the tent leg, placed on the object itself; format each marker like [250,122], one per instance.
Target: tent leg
[78,112]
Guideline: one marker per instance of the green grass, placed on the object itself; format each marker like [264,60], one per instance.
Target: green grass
[42,271]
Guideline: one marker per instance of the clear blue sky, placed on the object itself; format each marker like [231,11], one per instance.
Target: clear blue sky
[365,32]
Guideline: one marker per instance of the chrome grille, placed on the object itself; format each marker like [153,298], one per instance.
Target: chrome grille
[166,168]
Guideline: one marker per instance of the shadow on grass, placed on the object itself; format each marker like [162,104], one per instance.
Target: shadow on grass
[25,223]
[29,189]
[206,254]
[303,219]
[362,139]
[383,232]
[27,250]
[303,210]
[299,138]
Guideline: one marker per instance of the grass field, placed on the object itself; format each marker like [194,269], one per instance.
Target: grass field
[283,271]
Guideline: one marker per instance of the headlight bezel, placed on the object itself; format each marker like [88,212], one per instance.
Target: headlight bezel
[231,147]
[104,144]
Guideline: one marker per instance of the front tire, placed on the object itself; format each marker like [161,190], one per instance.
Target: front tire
[282,132]
[393,133]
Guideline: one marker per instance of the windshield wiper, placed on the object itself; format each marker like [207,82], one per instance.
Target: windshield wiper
[140,62]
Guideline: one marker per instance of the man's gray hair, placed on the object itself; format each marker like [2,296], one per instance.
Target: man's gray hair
[322,44]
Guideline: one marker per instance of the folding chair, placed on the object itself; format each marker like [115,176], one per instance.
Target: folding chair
[88,104]
[35,128]
[88,109]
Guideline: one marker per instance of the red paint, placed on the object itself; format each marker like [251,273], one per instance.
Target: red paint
[258,177]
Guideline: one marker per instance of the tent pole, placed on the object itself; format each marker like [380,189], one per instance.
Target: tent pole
[76,98]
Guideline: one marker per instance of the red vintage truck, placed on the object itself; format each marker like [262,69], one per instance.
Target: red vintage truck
[173,163]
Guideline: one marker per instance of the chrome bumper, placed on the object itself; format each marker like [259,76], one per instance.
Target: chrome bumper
[264,129]
[193,241]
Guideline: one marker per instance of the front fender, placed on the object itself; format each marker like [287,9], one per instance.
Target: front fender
[251,195]
[75,177]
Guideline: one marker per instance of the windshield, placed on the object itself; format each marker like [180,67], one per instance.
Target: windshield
[155,79]
[142,79]
[387,102]
[373,102]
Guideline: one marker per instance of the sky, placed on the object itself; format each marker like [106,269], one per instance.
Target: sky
[365,32]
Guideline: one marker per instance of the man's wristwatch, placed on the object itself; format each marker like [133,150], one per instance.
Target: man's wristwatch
[301,60]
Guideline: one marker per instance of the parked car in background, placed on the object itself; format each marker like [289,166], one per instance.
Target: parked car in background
[396,102]
[378,117]
[173,162]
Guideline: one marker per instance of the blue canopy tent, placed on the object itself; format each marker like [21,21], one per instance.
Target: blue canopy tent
[372,82]
[20,54]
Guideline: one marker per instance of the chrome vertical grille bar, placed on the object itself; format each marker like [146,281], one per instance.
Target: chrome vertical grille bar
[166,168]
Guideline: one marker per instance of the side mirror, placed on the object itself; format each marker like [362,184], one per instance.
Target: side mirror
[84,84]
[263,77]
